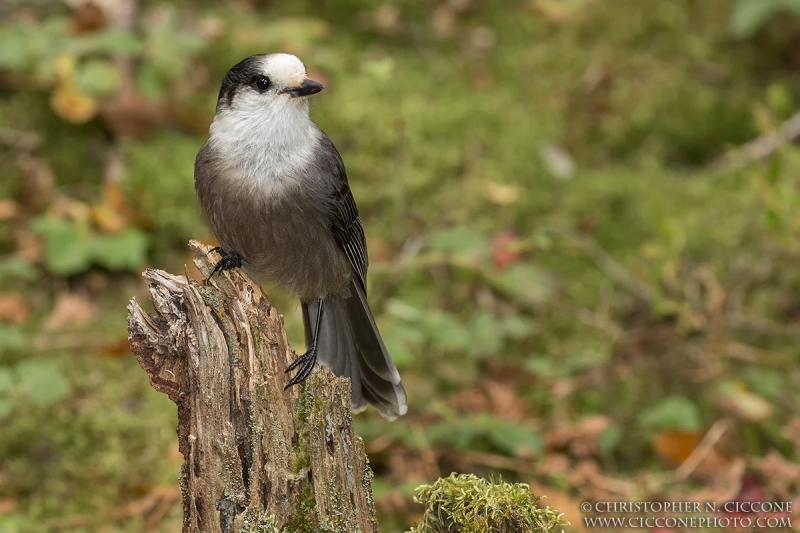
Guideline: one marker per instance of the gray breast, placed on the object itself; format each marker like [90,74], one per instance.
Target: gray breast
[281,230]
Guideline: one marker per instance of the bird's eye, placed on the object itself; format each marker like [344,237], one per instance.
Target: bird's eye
[261,83]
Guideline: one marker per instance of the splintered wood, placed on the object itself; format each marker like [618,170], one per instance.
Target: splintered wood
[256,457]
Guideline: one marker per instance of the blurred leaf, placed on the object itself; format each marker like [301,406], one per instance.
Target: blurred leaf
[13,308]
[123,251]
[470,431]
[71,309]
[446,332]
[16,268]
[517,440]
[676,446]
[673,413]
[459,240]
[773,219]
[767,382]
[11,338]
[96,77]
[486,336]
[736,400]
[70,249]
[561,10]
[29,47]
[66,248]
[527,282]
[609,438]
[750,15]
[779,99]
[42,381]
[543,366]
[517,327]
[557,161]
[72,105]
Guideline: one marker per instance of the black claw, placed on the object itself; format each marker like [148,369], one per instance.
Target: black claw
[228,261]
[306,363]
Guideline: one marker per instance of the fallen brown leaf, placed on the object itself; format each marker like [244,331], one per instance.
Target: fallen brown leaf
[493,397]
[8,209]
[7,505]
[781,475]
[71,310]
[13,308]
[87,17]
[443,21]
[386,19]
[129,115]
[30,246]
[580,439]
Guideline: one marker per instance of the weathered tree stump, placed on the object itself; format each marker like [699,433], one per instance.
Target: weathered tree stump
[256,458]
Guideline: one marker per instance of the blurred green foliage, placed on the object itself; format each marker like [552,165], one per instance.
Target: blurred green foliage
[749,16]
[546,208]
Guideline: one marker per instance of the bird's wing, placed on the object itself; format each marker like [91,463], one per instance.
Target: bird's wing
[345,222]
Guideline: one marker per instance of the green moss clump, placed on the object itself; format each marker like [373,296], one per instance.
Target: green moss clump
[468,504]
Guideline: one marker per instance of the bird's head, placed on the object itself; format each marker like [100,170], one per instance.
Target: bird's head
[266,83]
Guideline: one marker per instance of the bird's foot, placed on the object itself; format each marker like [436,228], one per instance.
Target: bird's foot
[306,363]
[229,260]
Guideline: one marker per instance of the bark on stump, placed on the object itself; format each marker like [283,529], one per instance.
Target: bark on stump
[256,458]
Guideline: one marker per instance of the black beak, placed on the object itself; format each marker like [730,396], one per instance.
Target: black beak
[306,88]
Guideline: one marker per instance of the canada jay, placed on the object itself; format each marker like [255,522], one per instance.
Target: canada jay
[275,192]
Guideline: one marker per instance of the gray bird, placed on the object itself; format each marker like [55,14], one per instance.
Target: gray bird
[275,192]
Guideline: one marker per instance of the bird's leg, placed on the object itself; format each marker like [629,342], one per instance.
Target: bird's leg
[228,261]
[308,359]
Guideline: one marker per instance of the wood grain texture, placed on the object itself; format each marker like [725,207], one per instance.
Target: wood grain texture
[256,458]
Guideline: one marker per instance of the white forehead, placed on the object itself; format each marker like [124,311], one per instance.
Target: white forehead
[284,69]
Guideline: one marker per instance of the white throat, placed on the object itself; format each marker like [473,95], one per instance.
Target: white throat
[265,145]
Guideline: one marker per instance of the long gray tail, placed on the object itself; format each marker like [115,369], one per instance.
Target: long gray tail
[351,346]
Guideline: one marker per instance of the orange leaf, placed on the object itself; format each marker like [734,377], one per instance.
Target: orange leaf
[675,446]
[7,505]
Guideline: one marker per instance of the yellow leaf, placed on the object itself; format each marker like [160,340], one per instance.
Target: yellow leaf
[500,193]
[72,105]
[107,219]
[65,66]
[736,400]
[561,10]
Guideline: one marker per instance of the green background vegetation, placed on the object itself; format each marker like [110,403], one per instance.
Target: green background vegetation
[575,269]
